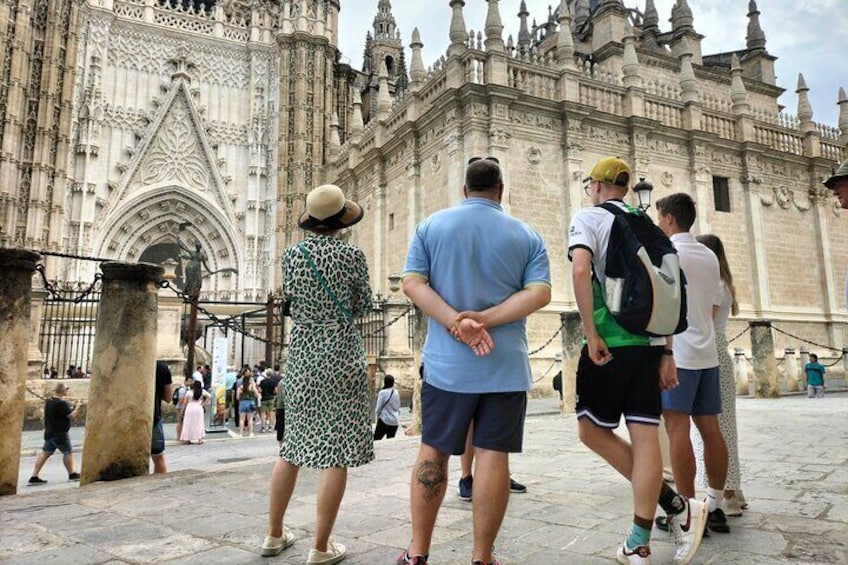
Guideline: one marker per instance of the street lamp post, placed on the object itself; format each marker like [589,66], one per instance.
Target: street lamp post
[643,191]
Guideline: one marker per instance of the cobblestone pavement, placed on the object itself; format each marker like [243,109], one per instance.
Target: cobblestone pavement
[212,507]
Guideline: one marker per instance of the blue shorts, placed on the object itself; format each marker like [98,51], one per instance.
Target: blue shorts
[698,394]
[247,406]
[60,441]
[157,440]
[498,420]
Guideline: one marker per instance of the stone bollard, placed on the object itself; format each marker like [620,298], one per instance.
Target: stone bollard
[790,369]
[120,411]
[765,366]
[740,369]
[802,374]
[17,267]
[572,343]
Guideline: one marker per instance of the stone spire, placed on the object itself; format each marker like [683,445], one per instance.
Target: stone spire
[843,115]
[738,93]
[805,110]
[756,38]
[335,139]
[565,41]
[631,60]
[458,31]
[494,28]
[688,82]
[417,72]
[682,20]
[384,98]
[384,22]
[651,22]
[524,37]
[581,13]
[357,124]
[367,63]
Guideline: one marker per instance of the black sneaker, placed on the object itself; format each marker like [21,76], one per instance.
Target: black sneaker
[516,487]
[36,481]
[717,522]
[465,487]
[73,477]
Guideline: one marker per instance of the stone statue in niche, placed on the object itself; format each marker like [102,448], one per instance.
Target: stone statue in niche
[193,273]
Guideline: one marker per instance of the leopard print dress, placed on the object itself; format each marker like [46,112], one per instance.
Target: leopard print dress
[325,390]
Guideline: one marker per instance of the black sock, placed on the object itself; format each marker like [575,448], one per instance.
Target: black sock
[670,501]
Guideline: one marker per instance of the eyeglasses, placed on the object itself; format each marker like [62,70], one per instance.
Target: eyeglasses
[492,159]
[587,188]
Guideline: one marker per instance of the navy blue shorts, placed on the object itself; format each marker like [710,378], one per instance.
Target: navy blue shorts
[498,419]
[157,440]
[698,394]
[60,441]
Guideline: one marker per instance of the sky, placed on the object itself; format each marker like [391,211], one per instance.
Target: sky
[807,36]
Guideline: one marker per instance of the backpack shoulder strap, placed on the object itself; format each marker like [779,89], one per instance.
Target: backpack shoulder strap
[612,208]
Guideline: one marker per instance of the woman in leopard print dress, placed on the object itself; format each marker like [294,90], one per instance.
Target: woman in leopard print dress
[733,501]
[324,388]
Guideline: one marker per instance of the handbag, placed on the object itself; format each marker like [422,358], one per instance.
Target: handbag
[308,256]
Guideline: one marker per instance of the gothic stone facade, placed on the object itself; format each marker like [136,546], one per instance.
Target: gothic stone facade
[122,119]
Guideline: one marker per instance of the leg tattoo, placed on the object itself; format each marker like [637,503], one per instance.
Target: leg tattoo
[432,476]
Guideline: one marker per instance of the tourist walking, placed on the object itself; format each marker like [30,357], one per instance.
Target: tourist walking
[182,395]
[248,397]
[58,413]
[733,500]
[814,373]
[698,397]
[388,410]
[620,373]
[194,426]
[477,273]
[325,383]
[162,393]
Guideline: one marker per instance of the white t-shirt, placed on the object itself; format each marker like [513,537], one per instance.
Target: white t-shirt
[723,313]
[590,229]
[696,347]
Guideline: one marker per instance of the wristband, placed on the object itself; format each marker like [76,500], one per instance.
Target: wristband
[668,352]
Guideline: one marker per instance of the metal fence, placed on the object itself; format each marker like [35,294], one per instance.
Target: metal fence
[68,323]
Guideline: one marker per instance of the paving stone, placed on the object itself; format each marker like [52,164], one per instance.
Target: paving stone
[213,507]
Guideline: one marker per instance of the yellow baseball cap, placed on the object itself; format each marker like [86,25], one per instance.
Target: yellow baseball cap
[610,170]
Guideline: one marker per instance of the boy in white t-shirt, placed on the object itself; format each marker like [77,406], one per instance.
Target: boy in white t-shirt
[699,393]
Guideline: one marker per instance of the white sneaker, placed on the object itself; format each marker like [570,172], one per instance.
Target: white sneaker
[687,529]
[274,546]
[639,556]
[335,553]
[731,506]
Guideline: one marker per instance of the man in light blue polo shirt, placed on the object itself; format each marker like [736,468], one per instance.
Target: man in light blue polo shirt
[477,273]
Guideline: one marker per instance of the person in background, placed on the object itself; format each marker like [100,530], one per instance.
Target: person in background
[248,397]
[58,413]
[182,400]
[388,410]
[815,377]
[194,428]
[162,393]
[268,401]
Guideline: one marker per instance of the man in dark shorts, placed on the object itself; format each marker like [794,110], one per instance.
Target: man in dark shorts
[157,441]
[620,373]
[477,273]
[268,401]
[57,423]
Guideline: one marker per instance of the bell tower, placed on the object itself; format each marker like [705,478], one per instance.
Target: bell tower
[307,37]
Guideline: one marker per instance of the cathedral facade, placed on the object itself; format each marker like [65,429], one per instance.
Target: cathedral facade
[127,122]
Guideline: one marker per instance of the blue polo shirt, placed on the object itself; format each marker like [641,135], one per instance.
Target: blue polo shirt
[476,256]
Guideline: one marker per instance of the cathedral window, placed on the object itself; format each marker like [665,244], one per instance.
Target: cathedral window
[721,194]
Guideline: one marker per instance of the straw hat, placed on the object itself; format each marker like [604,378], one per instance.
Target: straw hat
[328,209]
